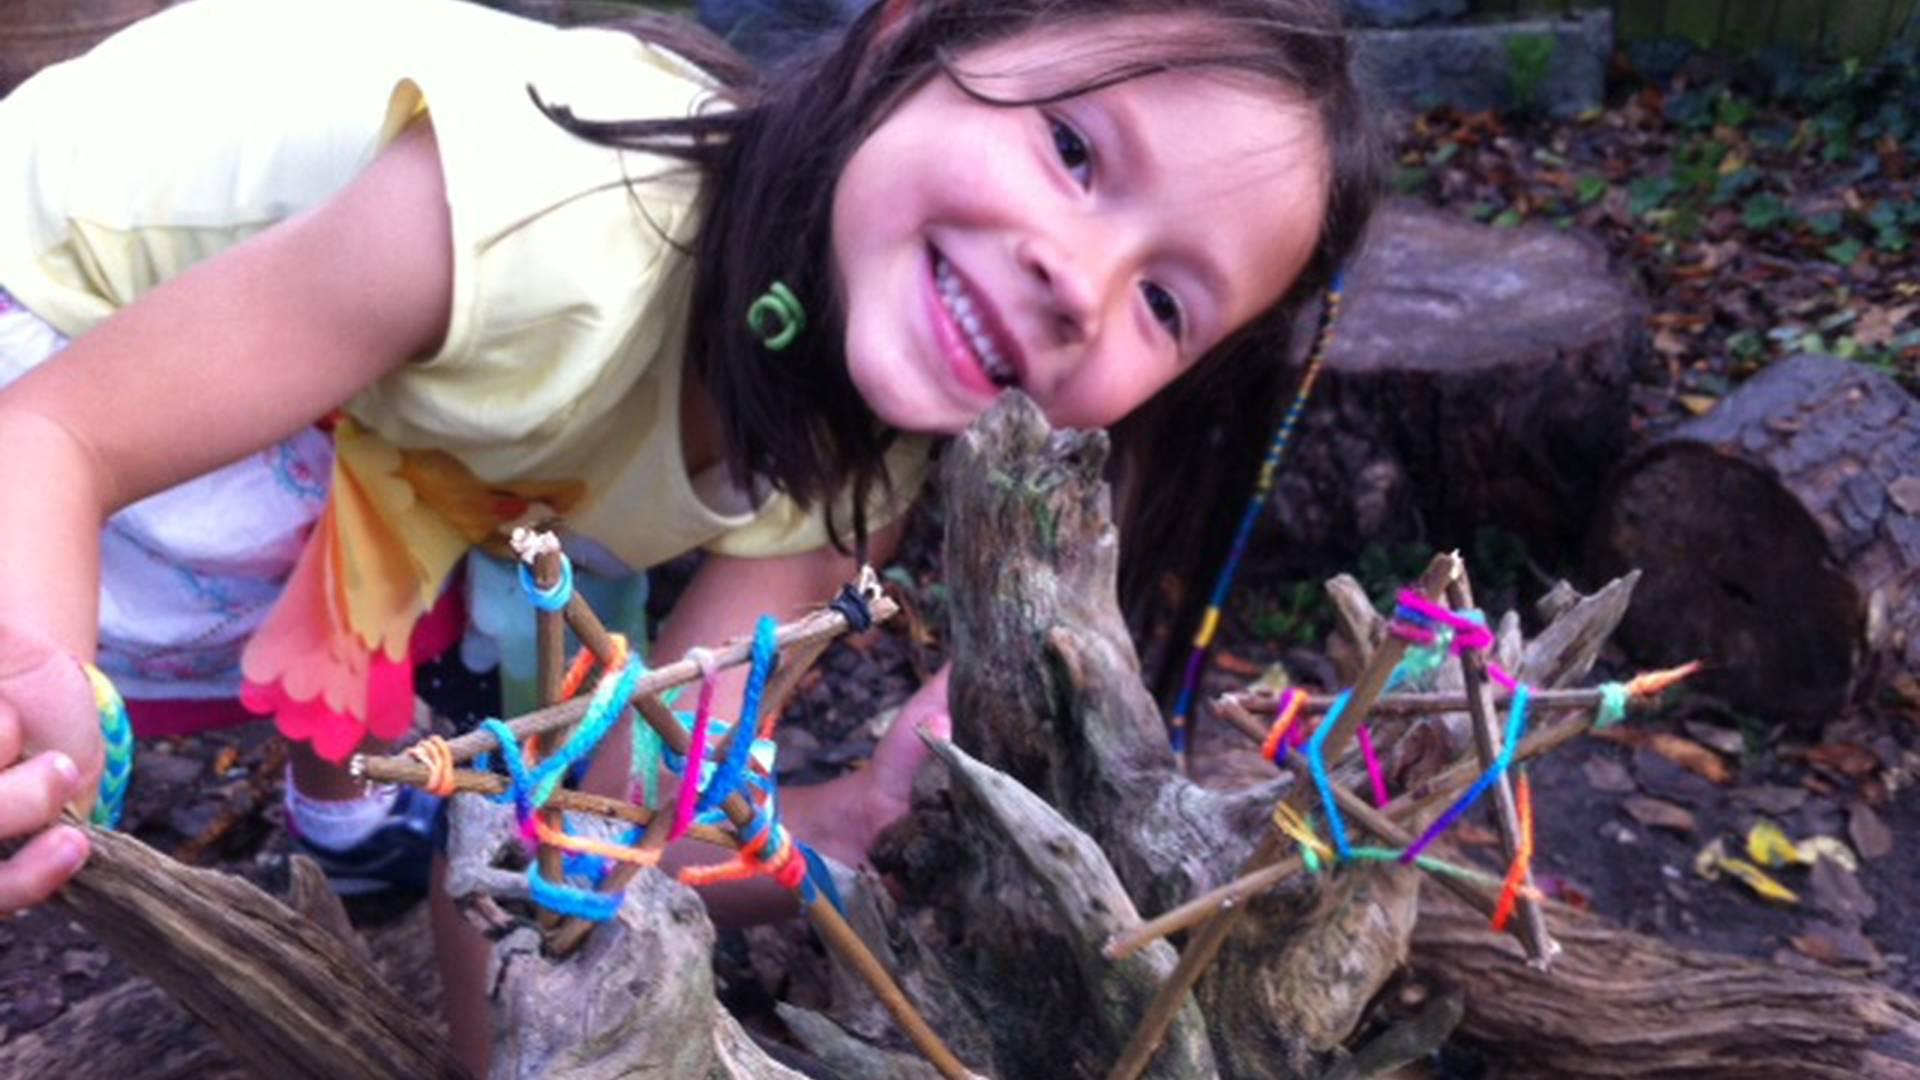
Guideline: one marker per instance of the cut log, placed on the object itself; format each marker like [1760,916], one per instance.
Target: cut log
[1780,537]
[1478,376]
[1622,1004]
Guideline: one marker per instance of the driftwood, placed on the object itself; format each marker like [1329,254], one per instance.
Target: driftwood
[1781,538]
[285,997]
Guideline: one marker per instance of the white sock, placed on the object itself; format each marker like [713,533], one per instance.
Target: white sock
[338,824]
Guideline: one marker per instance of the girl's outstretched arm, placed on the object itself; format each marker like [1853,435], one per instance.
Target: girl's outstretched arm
[229,357]
[840,817]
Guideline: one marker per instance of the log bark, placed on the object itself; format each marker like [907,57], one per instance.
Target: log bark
[1621,1004]
[1478,376]
[1780,536]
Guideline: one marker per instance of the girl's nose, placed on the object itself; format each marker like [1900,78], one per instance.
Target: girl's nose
[1070,281]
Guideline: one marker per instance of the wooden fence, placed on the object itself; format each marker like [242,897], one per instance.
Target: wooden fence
[1832,27]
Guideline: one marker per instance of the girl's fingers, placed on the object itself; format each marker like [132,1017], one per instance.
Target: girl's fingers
[41,867]
[32,792]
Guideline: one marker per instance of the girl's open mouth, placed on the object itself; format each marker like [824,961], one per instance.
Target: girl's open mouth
[975,333]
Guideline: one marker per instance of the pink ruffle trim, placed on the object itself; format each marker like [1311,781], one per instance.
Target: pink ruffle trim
[336,733]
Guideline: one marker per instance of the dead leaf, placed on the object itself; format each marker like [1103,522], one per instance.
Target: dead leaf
[1723,739]
[1655,813]
[1605,774]
[1770,798]
[225,760]
[1697,404]
[1838,892]
[1870,835]
[1690,756]
[1905,493]
[1847,759]
[1880,325]
[1836,947]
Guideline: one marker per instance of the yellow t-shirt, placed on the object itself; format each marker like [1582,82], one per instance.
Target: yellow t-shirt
[203,125]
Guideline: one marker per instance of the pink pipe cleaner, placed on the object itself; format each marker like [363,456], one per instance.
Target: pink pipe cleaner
[696,748]
[1380,796]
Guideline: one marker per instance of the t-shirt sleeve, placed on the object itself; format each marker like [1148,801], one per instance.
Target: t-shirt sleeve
[567,255]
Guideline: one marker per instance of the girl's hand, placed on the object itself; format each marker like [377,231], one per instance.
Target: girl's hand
[897,760]
[842,817]
[50,754]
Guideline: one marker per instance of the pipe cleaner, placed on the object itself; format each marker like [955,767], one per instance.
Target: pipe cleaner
[1516,724]
[727,777]
[1522,855]
[696,746]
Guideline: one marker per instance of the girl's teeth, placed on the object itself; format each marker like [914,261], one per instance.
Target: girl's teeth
[960,305]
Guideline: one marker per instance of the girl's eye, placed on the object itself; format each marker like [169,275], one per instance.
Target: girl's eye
[1165,309]
[1074,152]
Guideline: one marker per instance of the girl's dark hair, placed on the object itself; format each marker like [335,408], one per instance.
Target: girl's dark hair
[770,165]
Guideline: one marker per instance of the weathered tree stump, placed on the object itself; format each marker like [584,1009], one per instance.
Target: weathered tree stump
[1780,535]
[1477,376]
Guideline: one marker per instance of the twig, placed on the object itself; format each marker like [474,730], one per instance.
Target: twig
[816,626]
[415,774]
[1257,702]
[1540,946]
[1206,943]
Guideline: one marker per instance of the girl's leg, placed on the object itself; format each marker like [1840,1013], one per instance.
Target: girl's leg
[463,954]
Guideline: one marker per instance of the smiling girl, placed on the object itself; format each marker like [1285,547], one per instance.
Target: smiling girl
[518,262]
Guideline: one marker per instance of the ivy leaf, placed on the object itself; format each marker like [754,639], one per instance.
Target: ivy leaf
[1845,252]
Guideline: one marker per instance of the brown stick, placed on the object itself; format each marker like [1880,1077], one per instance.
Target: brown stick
[1206,943]
[1257,702]
[1413,806]
[1532,929]
[819,625]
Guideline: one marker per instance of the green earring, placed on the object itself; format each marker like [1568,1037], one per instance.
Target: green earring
[776,318]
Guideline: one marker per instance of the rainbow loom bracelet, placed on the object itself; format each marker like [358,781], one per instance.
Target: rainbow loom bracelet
[116,731]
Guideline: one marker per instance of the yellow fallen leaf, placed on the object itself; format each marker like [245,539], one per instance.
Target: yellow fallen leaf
[1707,863]
[1768,846]
[1698,404]
[1827,847]
[1757,880]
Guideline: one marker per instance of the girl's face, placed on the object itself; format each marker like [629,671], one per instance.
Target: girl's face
[1087,251]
